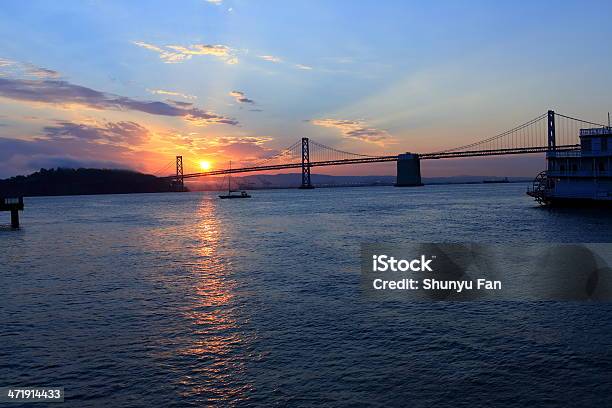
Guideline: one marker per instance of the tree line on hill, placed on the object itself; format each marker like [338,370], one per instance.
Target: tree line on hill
[63,181]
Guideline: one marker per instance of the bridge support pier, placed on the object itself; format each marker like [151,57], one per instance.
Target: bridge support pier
[408,170]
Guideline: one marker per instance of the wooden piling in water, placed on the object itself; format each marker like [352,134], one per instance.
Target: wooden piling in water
[14,205]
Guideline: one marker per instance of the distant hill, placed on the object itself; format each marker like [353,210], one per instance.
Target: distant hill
[286,180]
[62,181]
[292,180]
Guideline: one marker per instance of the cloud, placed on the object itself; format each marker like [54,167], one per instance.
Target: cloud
[179,103]
[66,93]
[240,97]
[172,54]
[270,58]
[229,140]
[171,93]
[130,133]
[65,143]
[301,66]
[40,72]
[279,60]
[248,148]
[177,138]
[202,49]
[50,162]
[355,129]
[216,2]
[167,56]
[25,69]
[25,156]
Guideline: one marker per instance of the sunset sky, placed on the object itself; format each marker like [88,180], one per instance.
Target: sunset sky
[127,84]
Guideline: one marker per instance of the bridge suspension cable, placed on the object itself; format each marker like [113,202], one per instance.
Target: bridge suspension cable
[292,152]
[529,134]
[321,152]
[163,169]
[318,152]
[568,128]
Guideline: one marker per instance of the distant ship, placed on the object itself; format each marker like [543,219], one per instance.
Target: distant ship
[504,180]
[578,177]
[243,194]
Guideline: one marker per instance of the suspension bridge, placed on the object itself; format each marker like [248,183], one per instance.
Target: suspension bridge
[547,133]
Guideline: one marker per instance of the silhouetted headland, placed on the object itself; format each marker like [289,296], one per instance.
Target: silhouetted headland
[63,181]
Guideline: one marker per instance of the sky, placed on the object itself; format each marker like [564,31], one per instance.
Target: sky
[132,84]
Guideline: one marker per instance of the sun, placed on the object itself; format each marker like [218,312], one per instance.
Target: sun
[205,165]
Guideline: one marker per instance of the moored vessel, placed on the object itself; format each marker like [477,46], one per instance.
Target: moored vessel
[229,195]
[578,177]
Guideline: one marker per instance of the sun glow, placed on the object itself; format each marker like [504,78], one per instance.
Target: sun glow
[205,165]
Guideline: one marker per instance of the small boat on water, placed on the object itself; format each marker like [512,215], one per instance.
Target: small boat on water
[243,194]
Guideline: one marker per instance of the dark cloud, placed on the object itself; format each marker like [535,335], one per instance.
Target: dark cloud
[50,162]
[368,135]
[180,103]
[120,132]
[25,156]
[63,92]
[41,72]
[355,129]
[70,144]
[240,97]
[27,69]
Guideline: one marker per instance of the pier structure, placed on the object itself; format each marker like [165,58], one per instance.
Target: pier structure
[408,170]
[14,205]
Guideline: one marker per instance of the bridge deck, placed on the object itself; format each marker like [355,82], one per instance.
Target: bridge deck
[380,159]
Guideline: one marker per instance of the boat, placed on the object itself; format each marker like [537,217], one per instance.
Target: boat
[243,194]
[578,177]
[229,195]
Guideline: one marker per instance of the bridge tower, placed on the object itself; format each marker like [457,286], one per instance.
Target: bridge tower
[305,164]
[408,170]
[178,180]
[552,142]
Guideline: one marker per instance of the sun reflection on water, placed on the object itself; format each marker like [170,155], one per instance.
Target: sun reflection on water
[217,341]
